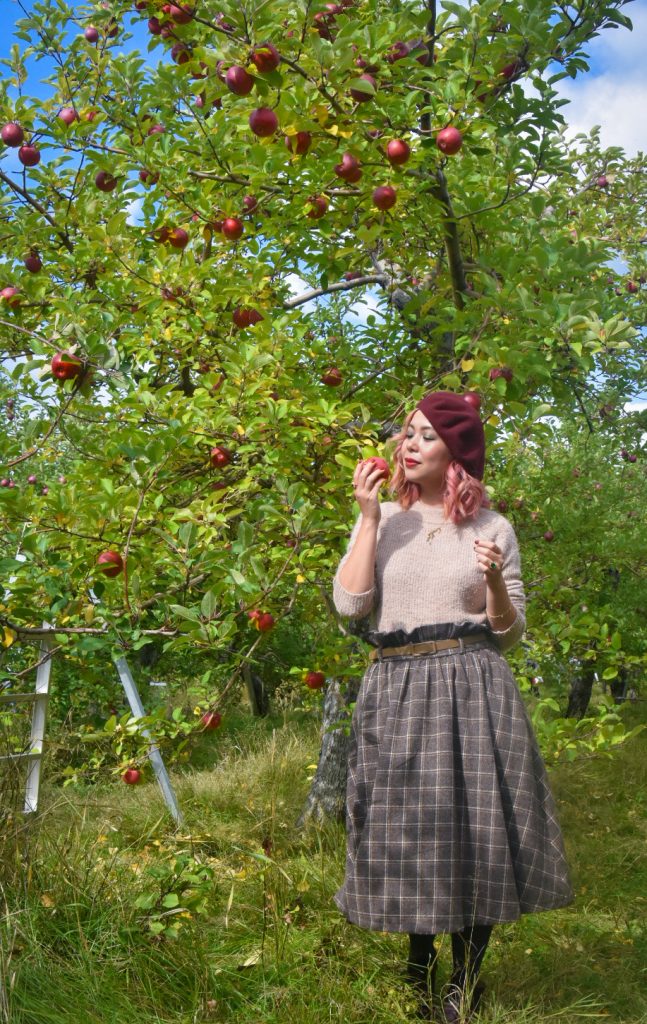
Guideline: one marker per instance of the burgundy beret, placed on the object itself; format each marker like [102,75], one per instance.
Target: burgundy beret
[459,425]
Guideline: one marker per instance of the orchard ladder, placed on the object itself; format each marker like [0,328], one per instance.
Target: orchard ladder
[39,698]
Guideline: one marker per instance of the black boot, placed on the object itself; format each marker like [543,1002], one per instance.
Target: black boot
[462,999]
[465,992]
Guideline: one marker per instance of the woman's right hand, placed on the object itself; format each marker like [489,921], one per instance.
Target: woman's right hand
[367,481]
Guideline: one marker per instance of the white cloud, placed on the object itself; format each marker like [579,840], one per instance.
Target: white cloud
[615,103]
[134,209]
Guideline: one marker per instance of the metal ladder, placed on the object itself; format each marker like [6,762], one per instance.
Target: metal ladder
[39,698]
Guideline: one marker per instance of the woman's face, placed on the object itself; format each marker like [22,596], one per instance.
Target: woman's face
[424,454]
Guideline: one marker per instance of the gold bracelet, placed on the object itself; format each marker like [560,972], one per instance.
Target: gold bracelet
[502,615]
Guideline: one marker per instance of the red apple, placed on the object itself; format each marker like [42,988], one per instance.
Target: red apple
[353,275]
[29,156]
[154,26]
[245,317]
[263,122]
[603,181]
[332,377]
[232,228]
[263,622]
[381,464]
[180,53]
[110,563]
[91,34]
[266,57]
[156,129]
[11,296]
[472,398]
[180,15]
[178,238]
[219,457]
[449,140]
[33,263]
[148,177]
[131,776]
[211,719]
[68,115]
[12,135]
[398,51]
[349,168]
[299,143]
[362,95]
[105,181]
[250,203]
[318,207]
[632,287]
[502,505]
[384,197]
[397,152]
[549,536]
[632,457]
[66,366]
[315,680]
[501,371]
[238,81]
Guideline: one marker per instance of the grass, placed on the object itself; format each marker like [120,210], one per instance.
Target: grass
[265,943]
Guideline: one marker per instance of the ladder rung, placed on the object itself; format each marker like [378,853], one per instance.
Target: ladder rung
[18,757]
[21,698]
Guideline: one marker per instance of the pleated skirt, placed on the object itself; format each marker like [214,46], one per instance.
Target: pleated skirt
[450,819]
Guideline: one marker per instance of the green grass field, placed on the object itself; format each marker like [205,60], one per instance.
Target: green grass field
[111,917]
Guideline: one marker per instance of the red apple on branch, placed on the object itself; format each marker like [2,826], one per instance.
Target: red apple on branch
[263,122]
[239,81]
[12,135]
[180,15]
[232,228]
[332,377]
[131,776]
[33,263]
[211,720]
[11,296]
[266,57]
[472,398]
[29,156]
[110,563]
[364,88]
[91,34]
[262,621]
[384,197]
[501,371]
[397,152]
[178,238]
[66,366]
[449,140]
[299,143]
[315,680]
[219,457]
[68,115]
[105,182]
[319,205]
[349,168]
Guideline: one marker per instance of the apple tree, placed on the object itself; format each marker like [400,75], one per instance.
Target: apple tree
[239,239]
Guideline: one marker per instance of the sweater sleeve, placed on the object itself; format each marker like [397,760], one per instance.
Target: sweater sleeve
[511,570]
[353,606]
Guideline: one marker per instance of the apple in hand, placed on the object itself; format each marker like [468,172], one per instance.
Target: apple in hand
[110,563]
[211,719]
[381,464]
[315,680]
[131,776]
[449,140]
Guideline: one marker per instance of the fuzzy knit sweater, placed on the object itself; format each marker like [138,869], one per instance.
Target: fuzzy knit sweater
[426,571]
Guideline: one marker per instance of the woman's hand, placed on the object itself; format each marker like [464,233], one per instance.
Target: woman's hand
[490,561]
[367,480]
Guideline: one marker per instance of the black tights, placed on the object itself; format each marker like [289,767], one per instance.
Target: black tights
[468,949]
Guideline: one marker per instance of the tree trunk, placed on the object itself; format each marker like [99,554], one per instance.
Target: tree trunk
[327,796]
[256,692]
[580,695]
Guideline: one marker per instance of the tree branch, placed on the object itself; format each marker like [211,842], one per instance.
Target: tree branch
[338,286]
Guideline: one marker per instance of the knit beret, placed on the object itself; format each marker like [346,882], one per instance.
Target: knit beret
[459,425]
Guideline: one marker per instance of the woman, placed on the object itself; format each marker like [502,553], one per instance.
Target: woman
[451,824]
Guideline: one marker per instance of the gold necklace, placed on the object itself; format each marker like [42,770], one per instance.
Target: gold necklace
[432,533]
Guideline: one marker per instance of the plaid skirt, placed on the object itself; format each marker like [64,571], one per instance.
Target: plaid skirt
[450,819]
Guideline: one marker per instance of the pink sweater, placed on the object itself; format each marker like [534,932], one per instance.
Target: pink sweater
[426,571]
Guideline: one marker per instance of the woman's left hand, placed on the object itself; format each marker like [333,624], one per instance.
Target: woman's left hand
[490,560]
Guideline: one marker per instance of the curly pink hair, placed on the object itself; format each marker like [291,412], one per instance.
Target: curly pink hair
[464,494]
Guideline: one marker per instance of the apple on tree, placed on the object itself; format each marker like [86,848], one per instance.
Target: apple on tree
[315,680]
[472,398]
[219,457]
[131,776]
[29,156]
[397,152]
[318,207]
[384,197]
[211,720]
[364,88]
[266,57]
[501,371]
[239,81]
[105,181]
[66,366]
[449,140]
[68,115]
[263,122]
[332,377]
[110,563]
[299,144]
[12,135]
[262,621]
[232,228]
[11,296]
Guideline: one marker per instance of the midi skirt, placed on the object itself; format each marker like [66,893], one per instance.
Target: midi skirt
[450,819]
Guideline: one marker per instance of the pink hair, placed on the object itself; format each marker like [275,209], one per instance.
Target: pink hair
[464,494]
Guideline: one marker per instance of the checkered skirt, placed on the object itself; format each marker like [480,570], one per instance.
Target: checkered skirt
[450,818]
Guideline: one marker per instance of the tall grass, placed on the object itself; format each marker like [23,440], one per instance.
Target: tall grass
[266,943]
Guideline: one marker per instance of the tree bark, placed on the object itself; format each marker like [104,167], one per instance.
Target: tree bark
[580,695]
[327,796]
